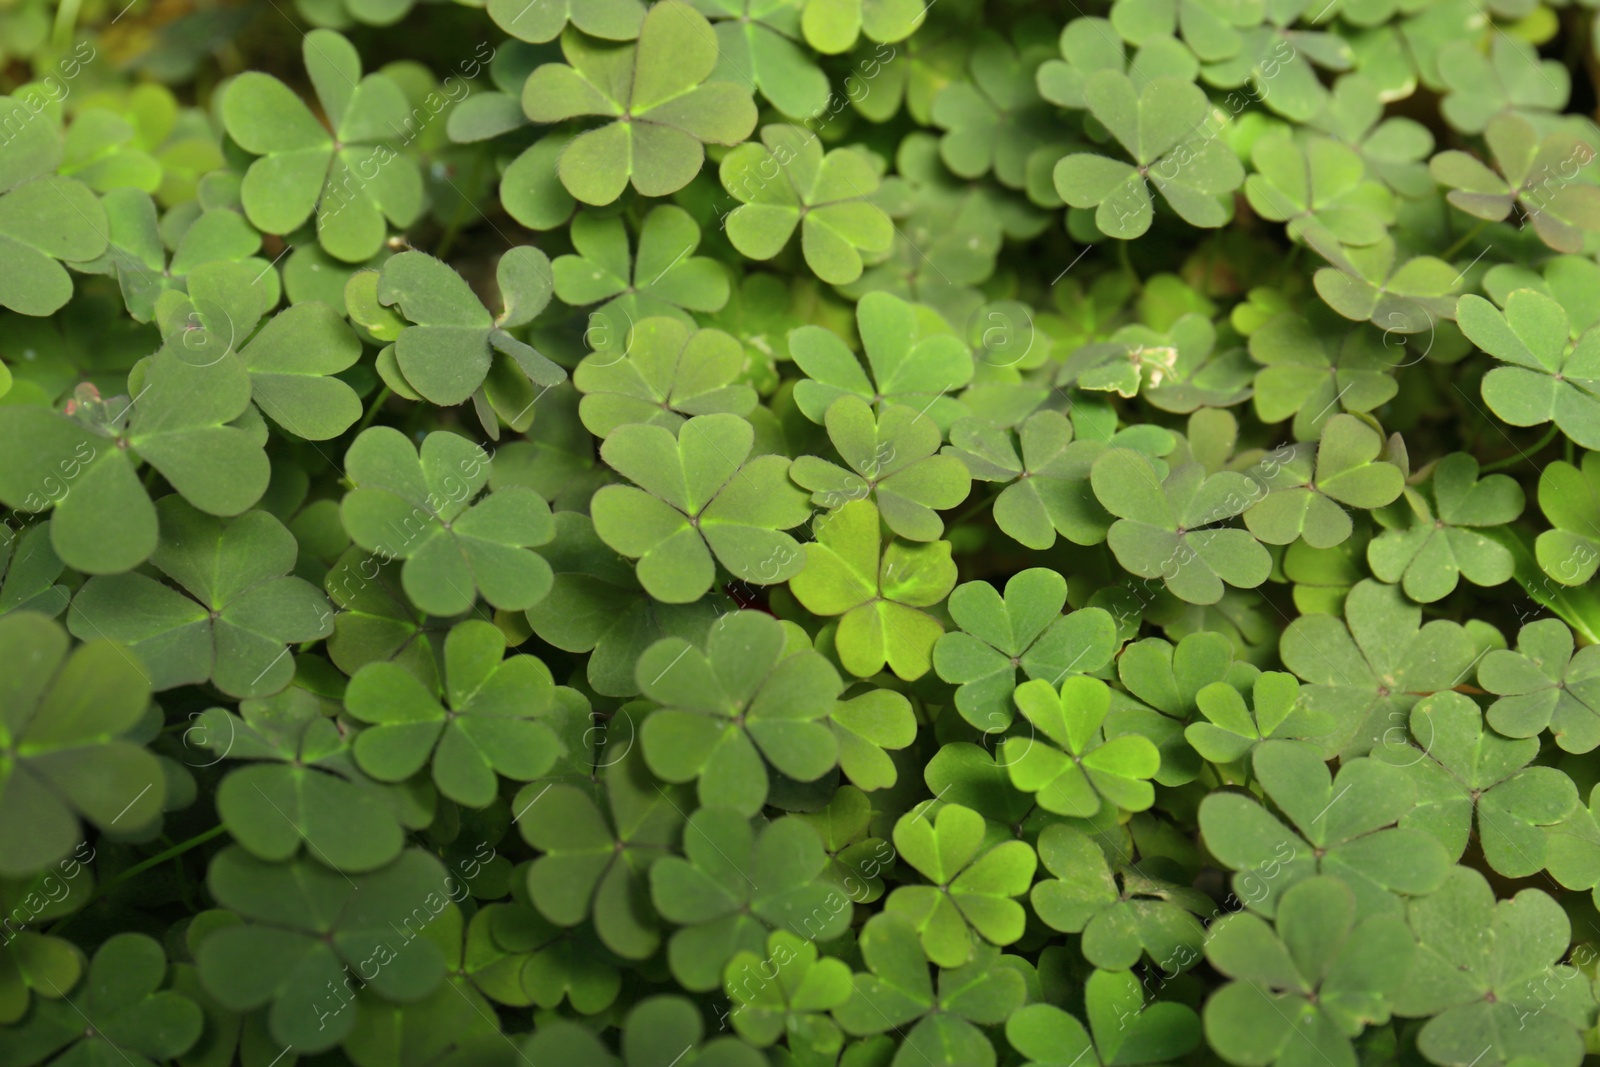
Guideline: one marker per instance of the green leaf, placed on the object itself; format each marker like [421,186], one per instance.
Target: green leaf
[1544,376]
[668,372]
[1065,757]
[1435,537]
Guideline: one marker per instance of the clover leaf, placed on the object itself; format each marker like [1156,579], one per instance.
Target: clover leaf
[834,26]
[453,346]
[1322,184]
[1123,916]
[596,860]
[742,699]
[878,590]
[1154,125]
[418,506]
[792,1002]
[1367,671]
[1127,1029]
[698,500]
[122,1011]
[1543,378]
[865,726]
[656,90]
[64,753]
[1091,44]
[997,119]
[1569,496]
[1510,79]
[827,197]
[664,278]
[1364,284]
[1525,163]
[1312,373]
[758,46]
[1026,630]
[304,923]
[1302,502]
[1233,729]
[306,788]
[733,884]
[1165,526]
[491,727]
[375,620]
[896,990]
[242,610]
[972,888]
[30,570]
[1487,973]
[1210,27]
[914,361]
[1319,980]
[1074,769]
[1545,685]
[1167,680]
[1050,493]
[180,422]
[44,217]
[613,20]
[34,964]
[1347,828]
[348,173]
[669,372]
[596,606]
[892,456]
[1435,537]
[1461,769]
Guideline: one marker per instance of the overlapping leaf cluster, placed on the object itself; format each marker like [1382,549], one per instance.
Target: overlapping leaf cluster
[799,533]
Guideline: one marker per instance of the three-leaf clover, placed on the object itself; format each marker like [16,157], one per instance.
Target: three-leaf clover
[695,501]
[180,421]
[1526,164]
[1346,827]
[1120,923]
[418,506]
[1436,536]
[878,590]
[758,46]
[450,349]
[732,884]
[785,183]
[1313,985]
[1232,728]
[1023,631]
[892,456]
[748,696]
[669,372]
[896,991]
[1049,494]
[1155,126]
[995,120]
[1166,528]
[1488,974]
[1546,375]
[304,923]
[1310,372]
[350,175]
[1569,496]
[490,728]
[1127,1031]
[1364,284]
[1545,685]
[915,358]
[1511,78]
[655,91]
[121,1012]
[243,607]
[663,278]
[973,886]
[1073,768]
[595,860]
[793,999]
[1304,501]
[1367,671]
[305,787]
[44,217]
[1462,769]
[62,751]
[1322,184]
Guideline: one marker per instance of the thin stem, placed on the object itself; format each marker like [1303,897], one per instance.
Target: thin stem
[66,22]
[372,411]
[1466,237]
[977,506]
[1510,461]
[139,868]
